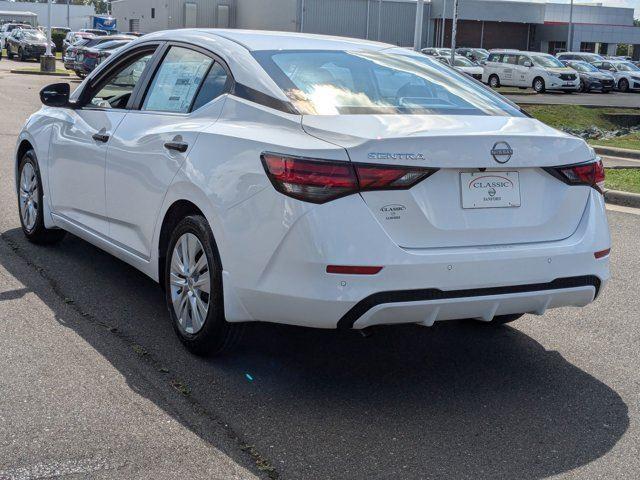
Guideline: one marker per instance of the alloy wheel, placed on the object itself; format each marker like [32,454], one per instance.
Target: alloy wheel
[29,196]
[190,283]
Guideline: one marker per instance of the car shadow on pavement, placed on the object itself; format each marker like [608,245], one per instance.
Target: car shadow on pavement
[459,400]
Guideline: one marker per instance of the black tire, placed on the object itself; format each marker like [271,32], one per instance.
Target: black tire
[494,81]
[538,85]
[623,85]
[217,336]
[582,88]
[9,54]
[38,233]
[606,91]
[21,55]
[503,319]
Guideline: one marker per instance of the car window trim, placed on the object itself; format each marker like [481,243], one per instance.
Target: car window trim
[92,86]
[144,90]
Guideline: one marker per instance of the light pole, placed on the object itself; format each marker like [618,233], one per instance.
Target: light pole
[444,21]
[454,31]
[417,37]
[48,61]
[570,33]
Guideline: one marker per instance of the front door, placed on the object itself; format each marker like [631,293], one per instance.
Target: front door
[79,142]
[154,140]
[79,145]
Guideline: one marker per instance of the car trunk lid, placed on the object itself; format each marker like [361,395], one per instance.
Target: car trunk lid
[467,151]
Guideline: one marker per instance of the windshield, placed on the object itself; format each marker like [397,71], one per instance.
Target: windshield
[583,67]
[366,82]
[547,61]
[463,62]
[33,35]
[627,67]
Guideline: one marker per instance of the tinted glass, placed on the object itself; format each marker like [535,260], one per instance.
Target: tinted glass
[117,91]
[364,82]
[627,67]
[111,45]
[463,62]
[511,59]
[583,67]
[214,85]
[546,61]
[177,81]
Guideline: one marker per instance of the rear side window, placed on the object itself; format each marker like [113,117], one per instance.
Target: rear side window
[494,57]
[214,85]
[177,81]
[510,59]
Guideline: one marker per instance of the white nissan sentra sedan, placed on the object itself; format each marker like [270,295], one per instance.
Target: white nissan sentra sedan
[316,181]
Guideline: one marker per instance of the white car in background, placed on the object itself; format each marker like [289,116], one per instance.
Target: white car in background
[464,65]
[539,71]
[626,74]
[311,180]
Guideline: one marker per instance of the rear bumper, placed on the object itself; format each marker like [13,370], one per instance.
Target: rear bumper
[416,285]
[425,307]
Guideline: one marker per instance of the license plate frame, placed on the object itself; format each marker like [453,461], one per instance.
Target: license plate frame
[490,189]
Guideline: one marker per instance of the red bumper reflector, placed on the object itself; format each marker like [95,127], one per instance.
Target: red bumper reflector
[602,253]
[353,270]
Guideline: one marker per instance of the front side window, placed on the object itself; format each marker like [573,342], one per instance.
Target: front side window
[117,90]
[395,81]
[177,81]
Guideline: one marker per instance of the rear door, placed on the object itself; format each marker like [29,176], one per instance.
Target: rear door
[185,94]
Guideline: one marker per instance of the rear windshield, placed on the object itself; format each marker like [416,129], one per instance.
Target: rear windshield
[366,82]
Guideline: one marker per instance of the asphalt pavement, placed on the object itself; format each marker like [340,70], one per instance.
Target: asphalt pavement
[95,384]
[613,99]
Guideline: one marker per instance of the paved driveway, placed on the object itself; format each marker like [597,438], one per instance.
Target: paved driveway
[613,99]
[94,383]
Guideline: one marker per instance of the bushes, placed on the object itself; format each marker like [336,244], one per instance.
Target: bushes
[57,38]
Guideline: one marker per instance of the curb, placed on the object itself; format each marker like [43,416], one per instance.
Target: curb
[617,152]
[626,199]
[36,72]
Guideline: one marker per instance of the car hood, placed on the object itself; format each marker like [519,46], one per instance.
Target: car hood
[447,141]
[597,75]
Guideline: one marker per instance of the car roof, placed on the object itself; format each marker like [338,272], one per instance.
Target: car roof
[235,47]
[255,40]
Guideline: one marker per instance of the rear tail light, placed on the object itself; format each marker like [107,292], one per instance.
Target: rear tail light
[90,55]
[319,181]
[591,173]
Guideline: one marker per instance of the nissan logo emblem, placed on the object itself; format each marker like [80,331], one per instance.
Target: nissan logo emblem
[501,152]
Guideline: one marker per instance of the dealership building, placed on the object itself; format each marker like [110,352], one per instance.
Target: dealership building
[482,23]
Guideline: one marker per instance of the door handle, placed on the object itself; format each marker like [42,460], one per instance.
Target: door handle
[100,137]
[177,146]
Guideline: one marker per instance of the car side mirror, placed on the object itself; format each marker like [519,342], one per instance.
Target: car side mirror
[56,95]
[528,64]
